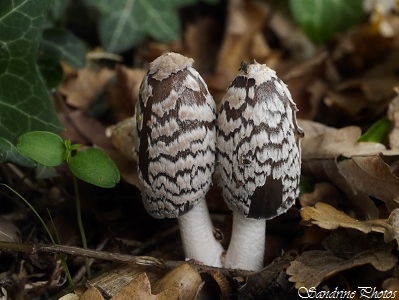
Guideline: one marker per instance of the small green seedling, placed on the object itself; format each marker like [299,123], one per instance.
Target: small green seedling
[90,165]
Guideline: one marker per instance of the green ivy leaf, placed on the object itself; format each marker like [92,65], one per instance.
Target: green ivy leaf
[24,101]
[51,71]
[377,132]
[44,147]
[321,19]
[9,153]
[124,23]
[59,44]
[95,167]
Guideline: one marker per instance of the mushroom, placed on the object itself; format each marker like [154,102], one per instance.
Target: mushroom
[259,159]
[176,118]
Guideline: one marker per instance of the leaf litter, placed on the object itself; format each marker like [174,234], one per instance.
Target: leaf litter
[345,222]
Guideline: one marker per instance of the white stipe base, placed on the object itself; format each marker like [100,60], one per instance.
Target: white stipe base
[196,231]
[247,245]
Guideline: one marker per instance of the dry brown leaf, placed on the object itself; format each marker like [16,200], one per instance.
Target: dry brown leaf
[122,95]
[327,169]
[245,20]
[392,232]
[371,175]
[301,83]
[313,267]
[369,95]
[82,88]
[182,282]
[322,157]
[327,217]
[92,293]
[323,191]
[338,142]
[138,288]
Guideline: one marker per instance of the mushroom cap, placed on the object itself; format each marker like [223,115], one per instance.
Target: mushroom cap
[258,144]
[177,138]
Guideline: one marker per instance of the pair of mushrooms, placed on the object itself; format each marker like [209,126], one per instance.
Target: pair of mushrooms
[254,138]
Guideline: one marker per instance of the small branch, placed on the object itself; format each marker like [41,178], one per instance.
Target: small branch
[32,248]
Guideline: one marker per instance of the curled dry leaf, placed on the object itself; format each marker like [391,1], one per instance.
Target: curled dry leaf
[371,175]
[322,157]
[327,217]
[182,282]
[82,87]
[369,95]
[336,142]
[323,191]
[313,267]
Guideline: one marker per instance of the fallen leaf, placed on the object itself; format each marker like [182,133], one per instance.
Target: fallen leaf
[392,232]
[92,293]
[312,267]
[326,155]
[138,288]
[81,88]
[371,175]
[323,191]
[182,282]
[338,142]
[327,217]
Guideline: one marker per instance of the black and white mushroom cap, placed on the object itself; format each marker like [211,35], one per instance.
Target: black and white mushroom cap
[176,117]
[259,158]
[258,144]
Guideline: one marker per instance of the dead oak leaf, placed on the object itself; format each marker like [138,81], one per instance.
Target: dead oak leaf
[182,282]
[371,175]
[313,267]
[327,217]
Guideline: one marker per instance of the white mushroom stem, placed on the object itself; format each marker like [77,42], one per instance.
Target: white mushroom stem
[247,244]
[196,231]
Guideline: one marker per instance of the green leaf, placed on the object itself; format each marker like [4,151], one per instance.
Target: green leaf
[124,23]
[24,101]
[44,147]
[9,153]
[377,132]
[321,19]
[51,71]
[95,167]
[59,44]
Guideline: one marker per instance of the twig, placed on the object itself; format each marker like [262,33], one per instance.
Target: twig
[33,248]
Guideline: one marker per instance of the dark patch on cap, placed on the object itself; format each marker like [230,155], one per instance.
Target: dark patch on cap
[266,199]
